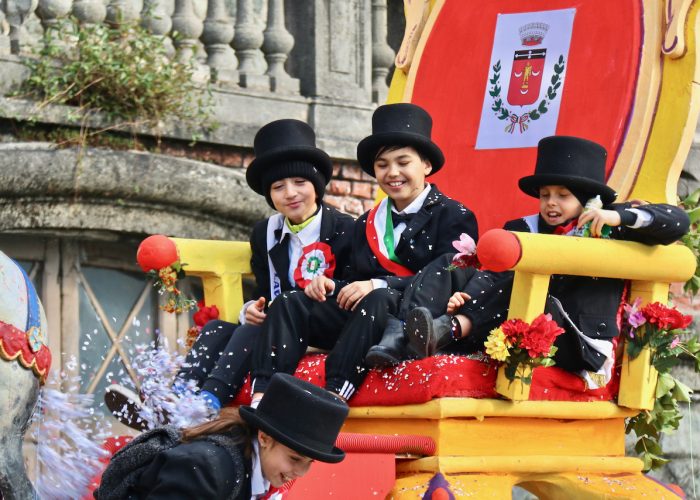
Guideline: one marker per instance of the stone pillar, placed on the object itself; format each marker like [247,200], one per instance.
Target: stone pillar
[123,11]
[247,41]
[50,12]
[189,28]
[278,42]
[89,11]
[216,37]
[332,53]
[382,55]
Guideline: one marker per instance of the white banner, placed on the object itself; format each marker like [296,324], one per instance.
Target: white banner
[526,78]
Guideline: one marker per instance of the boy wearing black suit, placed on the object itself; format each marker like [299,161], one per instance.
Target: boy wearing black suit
[569,172]
[403,233]
[305,238]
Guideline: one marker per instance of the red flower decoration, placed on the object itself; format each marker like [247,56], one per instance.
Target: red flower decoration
[664,317]
[514,329]
[540,336]
[204,314]
[316,259]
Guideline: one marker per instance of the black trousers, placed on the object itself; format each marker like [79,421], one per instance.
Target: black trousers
[220,358]
[295,322]
[433,286]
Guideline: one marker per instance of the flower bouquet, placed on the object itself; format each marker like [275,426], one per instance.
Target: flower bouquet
[659,332]
[520,347]
[165,280]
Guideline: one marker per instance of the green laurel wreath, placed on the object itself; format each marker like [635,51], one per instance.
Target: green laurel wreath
[504,113]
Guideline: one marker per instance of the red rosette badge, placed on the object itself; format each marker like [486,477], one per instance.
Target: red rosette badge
[316,259]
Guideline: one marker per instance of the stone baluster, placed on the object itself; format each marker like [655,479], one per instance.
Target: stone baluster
[16,13]
[277,45]
[50,12]
[382,55]
[156,18]
[123,11]
[89,11]
[4,32]
[247,41]
[216,37]
[189,28]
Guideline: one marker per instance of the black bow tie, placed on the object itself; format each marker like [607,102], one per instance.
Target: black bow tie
[397,219]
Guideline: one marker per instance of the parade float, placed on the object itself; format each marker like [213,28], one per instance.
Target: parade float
[497,77]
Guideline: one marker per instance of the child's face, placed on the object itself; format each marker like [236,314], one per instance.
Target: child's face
[279,463]
[401,175]
[558,205]
[294,197]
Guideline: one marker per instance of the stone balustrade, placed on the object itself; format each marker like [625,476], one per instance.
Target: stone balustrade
[246,44]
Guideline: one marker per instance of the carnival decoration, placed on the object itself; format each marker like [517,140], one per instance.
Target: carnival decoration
[466,253]
[531,48]
[158,257]
[316,259]
[25,360]
[659,333]
[201,317]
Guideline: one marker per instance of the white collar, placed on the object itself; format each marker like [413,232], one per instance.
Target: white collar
[416,204]
[310,234]
[258,484]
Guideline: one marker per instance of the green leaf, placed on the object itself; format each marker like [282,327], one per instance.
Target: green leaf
[534,115]
[681,392]
[542,108]
[665,384]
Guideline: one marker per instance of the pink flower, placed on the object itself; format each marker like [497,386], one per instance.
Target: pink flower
[466,256]
[676,340]
[464,245]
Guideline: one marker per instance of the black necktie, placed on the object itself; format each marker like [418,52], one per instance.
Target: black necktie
[397,219]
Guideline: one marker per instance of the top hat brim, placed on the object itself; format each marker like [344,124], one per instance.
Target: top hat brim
[250,415]
[317,157]
[368,147]
[531,184]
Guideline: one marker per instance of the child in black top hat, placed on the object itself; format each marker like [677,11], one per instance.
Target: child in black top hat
[305,238]
[391,242]
[569,172]
[245,453]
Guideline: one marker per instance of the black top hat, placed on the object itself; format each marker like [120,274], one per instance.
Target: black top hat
[281,142]
[399,124]
[301,416]
[576,163]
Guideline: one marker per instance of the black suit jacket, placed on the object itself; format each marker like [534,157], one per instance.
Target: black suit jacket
[439,222]
[591,303]
[192,471]
[336,231]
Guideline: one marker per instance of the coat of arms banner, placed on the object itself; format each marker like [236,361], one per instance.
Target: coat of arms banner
[526,78]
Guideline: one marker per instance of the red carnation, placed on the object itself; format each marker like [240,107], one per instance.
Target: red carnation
[514,329]
[664,317]
[540,336]
[204,314]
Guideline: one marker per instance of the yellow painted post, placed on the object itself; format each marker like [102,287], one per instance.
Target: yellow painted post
[638,377]
[221,266]
[526,303]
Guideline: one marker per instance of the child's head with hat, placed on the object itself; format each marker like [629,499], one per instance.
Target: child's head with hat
[297,423]
[569,172]
[400,153]
[288,169]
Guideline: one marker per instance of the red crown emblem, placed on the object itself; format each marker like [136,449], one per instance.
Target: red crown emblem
[533,33]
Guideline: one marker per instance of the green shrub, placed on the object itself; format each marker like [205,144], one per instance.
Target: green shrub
[123,72]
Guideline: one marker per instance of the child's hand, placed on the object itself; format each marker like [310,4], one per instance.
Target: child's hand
[457,300]
[319,287]
[352,294]
[255,312]
[599,218]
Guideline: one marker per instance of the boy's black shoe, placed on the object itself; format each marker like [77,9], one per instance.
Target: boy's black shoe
[392,348]
[425,334]
[126,406]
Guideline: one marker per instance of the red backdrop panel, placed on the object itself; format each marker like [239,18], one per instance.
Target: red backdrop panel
[596,103]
